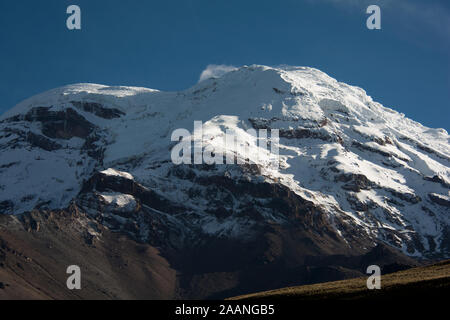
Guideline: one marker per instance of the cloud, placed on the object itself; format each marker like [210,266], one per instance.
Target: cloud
[411,15]
[432,15]
[215,71]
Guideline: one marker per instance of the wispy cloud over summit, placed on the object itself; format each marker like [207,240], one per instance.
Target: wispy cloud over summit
[214,71]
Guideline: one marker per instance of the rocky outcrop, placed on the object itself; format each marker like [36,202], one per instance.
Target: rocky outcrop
[106,183]
[42,142]
[386,154]
[354,182]
[6,207]
[438,179]
[303,133]
[98,109]
[440,199]
[64,124]
[408,197]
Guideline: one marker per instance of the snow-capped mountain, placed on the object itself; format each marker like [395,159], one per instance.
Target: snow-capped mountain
[352,172]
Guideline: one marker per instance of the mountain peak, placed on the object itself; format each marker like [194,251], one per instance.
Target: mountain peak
[361,167]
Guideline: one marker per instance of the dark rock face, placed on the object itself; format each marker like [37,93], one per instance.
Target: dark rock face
[65,125]
[280,200]
[107,183]
[383,142]
[354,182]
[299,133]
[385,154]
[98,110]
[303,133]
[58,124]
[279,257]
[425,148]
[408,197]
[438,179]
[35,140]
[440,200]
[42,142]
[6,207]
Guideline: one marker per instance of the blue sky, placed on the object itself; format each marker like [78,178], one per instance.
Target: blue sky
[167,44]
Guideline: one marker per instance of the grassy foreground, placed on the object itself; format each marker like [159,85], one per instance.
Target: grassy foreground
[431,280]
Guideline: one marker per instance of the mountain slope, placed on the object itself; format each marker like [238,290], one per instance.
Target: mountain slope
[37,248]
[353,174]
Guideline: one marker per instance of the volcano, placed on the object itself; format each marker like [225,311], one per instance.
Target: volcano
[87,179]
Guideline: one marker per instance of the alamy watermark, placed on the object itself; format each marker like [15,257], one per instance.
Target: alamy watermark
[231,147]
[74,280]
[73,22]
[374,281]
[374,20]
